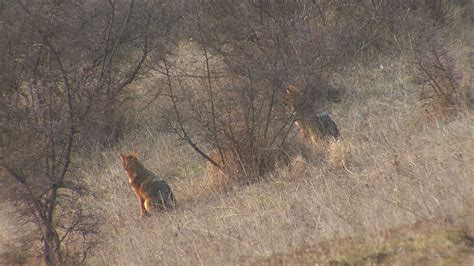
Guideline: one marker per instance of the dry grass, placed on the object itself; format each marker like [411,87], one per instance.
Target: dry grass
[393,168]
[16,246]
[435,241]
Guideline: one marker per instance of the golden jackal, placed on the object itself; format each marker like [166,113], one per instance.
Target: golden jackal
[152,191]
[313,125]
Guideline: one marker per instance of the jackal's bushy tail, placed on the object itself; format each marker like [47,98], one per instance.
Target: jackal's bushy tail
[161,195]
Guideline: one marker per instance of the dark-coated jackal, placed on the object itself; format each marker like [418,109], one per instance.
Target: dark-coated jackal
[152,191]
[313,125]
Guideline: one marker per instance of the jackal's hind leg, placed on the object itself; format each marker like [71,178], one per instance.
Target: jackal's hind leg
[153,206]
[143,210]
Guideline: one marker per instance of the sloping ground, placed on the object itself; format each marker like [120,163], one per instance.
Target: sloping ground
[397,166]
[355,201]
[442,241]
[389,172]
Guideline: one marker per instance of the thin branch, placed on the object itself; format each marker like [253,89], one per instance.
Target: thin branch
[183,131]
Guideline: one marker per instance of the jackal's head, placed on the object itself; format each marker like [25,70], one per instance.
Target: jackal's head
[129,161]
[293,96]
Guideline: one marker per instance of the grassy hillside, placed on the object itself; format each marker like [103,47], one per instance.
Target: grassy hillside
[397,188]
[435,241]
[397,165]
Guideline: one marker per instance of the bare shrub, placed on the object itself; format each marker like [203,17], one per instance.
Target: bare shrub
[230,100]
[207,113]
[234,101]
[70,64]
[434,71]
[437,76]
[418,30]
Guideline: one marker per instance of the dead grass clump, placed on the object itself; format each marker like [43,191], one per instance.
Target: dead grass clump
[296,169]
[325,152]
[14,255]
[17,246]
[298,166]
[238,166]
[338,152]
[20,249]
[221,178]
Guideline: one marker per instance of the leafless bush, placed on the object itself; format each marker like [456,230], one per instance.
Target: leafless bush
[436,74]
[432,68]
[233,104]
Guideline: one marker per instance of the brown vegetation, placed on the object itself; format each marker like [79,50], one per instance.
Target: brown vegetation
[196,83]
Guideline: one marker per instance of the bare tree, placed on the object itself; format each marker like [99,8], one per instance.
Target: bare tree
[69,66]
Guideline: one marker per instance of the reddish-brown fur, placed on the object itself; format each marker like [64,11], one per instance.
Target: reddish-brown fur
[151,190]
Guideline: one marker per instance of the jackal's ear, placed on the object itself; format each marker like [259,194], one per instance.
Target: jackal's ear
[291,89]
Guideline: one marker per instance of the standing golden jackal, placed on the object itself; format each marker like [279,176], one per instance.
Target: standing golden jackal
[152,191]
[313,125]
